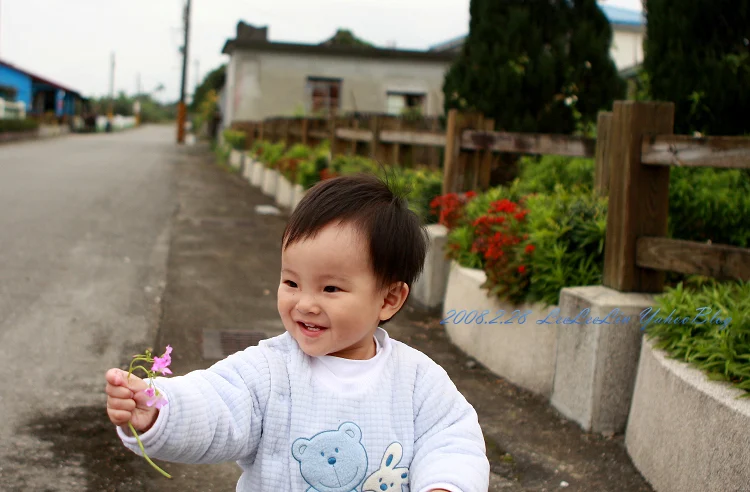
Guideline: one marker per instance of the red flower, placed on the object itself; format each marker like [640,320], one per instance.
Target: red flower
[521,269]
[530,249]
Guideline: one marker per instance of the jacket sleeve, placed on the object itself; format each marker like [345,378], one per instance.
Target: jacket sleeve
[449,446]
[213,415]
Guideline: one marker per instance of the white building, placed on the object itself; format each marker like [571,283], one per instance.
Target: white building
[266,79]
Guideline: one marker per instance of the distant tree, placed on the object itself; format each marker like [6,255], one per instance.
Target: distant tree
[697,55]
[535,66]
[345,37]
[213,81]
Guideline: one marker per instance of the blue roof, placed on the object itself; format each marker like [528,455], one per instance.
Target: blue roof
[619,15]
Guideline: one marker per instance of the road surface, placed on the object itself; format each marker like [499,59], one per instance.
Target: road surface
[84,224]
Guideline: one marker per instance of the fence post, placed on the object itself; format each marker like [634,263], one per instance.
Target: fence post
[285,128]
[603,164]
[396,156]
[305,130]
[375,147]
[638,195]
[485,164]
[452,149]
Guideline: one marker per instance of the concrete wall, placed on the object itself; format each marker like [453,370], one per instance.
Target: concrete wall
[596,362]
[521,352]
[429,289]
[687,433]
[261,85]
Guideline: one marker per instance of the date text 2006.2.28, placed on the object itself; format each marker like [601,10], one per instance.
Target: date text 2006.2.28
[484,317]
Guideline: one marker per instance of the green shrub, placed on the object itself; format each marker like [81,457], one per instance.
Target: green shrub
[256,150]
[272,152]
[308,172]
[567,230]
[723,352]
[710,204]
[235,138]
[289,163]
[541,175]
[418,186]
[350,164]
[26,125]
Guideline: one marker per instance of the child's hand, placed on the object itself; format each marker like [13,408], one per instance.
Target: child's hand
[126,401]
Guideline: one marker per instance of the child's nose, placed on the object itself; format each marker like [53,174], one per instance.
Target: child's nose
[307,305]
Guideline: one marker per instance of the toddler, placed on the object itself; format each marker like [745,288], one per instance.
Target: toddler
[334,404]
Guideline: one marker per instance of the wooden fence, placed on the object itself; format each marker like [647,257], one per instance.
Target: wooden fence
[633,152]
[640,148]
[465,149]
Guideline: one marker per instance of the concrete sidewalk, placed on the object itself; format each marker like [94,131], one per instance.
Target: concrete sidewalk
[223,272]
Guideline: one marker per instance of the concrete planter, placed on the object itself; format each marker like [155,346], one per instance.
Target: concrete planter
[686,433]
[284,192]
[429,290]
[521,351]
[258,172]
[597,356]
[270,178]
[247,166]
[235,158]
[299,193]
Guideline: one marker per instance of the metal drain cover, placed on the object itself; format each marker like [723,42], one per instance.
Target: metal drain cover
[220,344]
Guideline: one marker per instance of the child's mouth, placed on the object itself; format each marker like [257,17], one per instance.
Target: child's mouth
[310,327]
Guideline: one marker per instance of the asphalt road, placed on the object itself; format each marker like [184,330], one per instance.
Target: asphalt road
[84,227]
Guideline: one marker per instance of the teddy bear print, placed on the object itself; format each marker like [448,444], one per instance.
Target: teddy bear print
[332,461]
[388,477]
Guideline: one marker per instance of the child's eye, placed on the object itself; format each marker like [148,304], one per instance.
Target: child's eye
[331,288]
[290,283]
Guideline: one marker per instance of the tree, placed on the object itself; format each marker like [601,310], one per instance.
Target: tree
[535,66]
[213,81]
[697,55]
[345,37]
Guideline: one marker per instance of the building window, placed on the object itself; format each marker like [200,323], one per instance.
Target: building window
[323,95]
[398,102]
[8,93]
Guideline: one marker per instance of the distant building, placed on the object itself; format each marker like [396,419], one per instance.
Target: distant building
[40,95]
[266,79]
[628,32]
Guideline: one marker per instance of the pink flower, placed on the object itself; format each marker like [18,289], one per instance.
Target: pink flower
[155,398]
[157,402]
[161,363]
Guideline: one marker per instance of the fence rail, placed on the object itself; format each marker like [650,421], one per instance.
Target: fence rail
[682,150]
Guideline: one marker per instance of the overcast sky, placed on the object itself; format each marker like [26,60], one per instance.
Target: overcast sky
[70,41]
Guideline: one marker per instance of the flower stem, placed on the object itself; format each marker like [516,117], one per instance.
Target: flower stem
[140,444]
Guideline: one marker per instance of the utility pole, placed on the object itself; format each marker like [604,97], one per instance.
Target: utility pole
[181,109]
[110,112]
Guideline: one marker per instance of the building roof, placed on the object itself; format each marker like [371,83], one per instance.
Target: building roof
[251,38]
[38,79]
[617,16]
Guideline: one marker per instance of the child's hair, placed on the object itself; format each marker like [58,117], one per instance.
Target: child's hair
[398,242]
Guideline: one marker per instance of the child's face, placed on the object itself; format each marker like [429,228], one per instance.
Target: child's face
[327,282]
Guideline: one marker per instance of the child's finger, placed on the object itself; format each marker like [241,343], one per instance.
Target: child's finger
[119,392]
[118,377]
[119,417]
[127,404]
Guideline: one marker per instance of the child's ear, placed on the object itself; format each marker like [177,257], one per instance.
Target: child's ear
[395,296]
